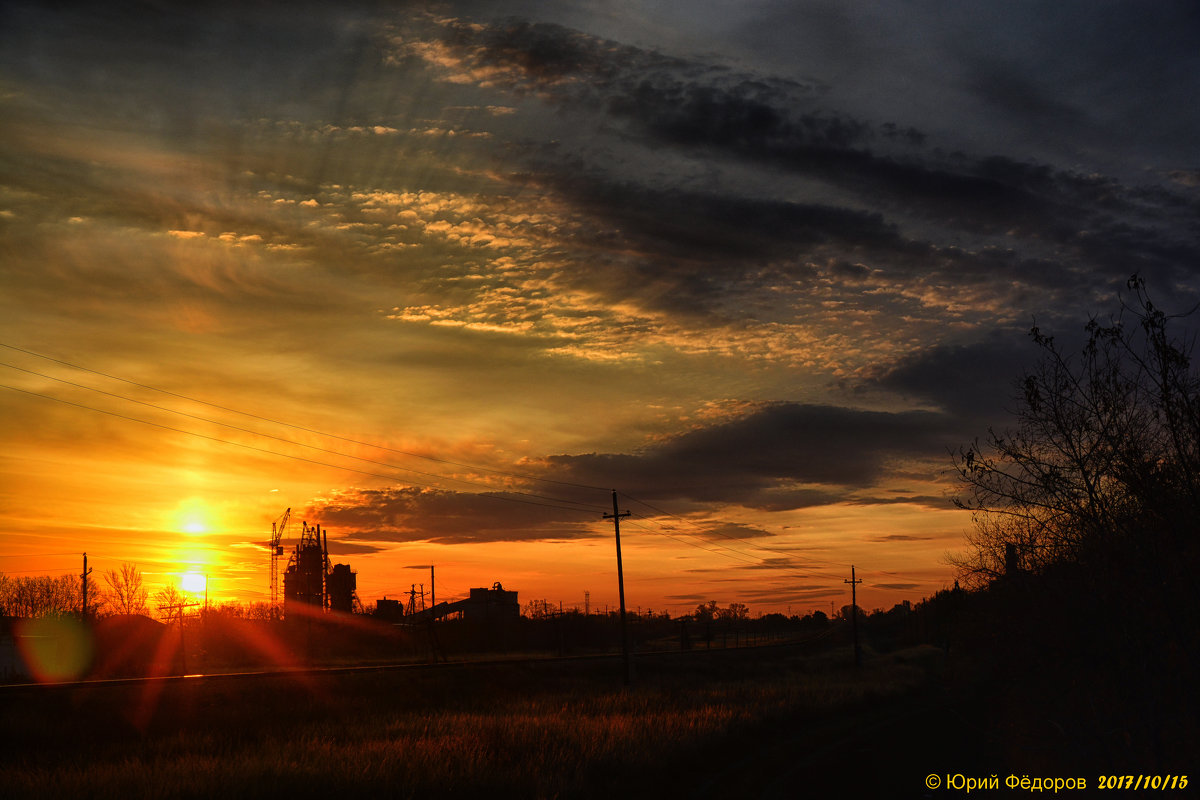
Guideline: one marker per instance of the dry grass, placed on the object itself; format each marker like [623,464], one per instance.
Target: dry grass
[522,731]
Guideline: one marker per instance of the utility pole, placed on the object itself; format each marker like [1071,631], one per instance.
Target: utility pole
[616,518]
[178,609]
[854,613]
[432,587]
[182,646]
[83,612]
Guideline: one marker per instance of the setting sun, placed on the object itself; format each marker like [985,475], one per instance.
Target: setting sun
[193,582]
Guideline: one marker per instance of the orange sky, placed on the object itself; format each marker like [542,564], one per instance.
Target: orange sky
[439,280]
[174,503]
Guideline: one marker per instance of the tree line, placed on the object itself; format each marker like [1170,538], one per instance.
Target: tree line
[119,591]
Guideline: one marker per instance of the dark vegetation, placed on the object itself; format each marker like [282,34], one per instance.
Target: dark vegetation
[693,725]
[1085,549]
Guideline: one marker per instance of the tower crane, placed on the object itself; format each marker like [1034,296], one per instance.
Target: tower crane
[277,529]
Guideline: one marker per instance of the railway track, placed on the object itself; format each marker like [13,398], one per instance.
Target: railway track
[409,666]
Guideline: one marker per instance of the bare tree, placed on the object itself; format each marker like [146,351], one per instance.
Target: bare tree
[235,610]
[1106,450]
[167,601]
[539,609]
[126,594]
[41,596]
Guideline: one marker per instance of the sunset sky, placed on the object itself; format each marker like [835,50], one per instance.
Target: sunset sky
[439,276]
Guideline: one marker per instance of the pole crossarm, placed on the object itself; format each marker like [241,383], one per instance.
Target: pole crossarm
[854,612]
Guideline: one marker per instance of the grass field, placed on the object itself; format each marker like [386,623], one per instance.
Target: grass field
[690,725]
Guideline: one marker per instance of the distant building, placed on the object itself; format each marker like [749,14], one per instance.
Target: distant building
[389,609]
[483,605]
[340,583]
[310,580]
[488,605]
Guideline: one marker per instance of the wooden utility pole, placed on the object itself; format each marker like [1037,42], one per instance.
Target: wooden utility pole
[83,612]
[854,614]
[616,518]
[178,609]
[432,589]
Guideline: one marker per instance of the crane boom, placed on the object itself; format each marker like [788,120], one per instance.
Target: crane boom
[277,529]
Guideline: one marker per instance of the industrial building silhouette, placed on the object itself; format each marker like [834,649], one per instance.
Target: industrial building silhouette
[311,580]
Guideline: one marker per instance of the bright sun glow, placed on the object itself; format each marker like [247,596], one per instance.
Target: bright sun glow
[193,582]
[193,516]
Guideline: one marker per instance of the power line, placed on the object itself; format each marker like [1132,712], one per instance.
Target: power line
[738,555]
[724,550]
[296,427]
[290,441]
[34,555]
[776,551]
[686,521]
[62,570]
[727,553]
[492,495]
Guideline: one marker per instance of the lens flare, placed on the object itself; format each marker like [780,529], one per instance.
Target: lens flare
[54,649]
[193,516]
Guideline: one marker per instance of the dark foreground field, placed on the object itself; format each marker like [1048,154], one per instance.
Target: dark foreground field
[756,722]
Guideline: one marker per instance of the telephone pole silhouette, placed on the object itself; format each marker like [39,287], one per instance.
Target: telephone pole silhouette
[854,613]
[616,518]
[178,608]
[83,612]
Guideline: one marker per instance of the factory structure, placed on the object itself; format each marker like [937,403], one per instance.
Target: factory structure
[482,605]
[312,581]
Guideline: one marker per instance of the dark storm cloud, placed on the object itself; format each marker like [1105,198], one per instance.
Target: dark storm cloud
[756,460]
[912,499]
[970,381]
[716,227]
[717,531]
[345,548]
[446,517]
[693,248]
[688,103]
[175,66]
[946,218]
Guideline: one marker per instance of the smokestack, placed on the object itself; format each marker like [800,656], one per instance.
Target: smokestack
[324,535]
